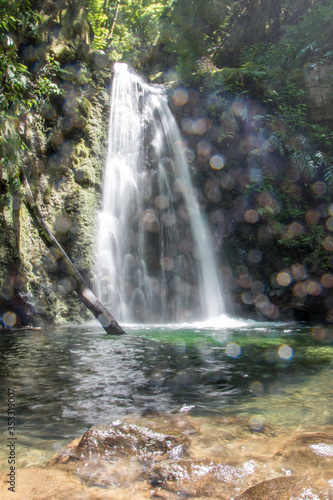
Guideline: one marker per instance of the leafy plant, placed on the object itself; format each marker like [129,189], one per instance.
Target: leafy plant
[10,151]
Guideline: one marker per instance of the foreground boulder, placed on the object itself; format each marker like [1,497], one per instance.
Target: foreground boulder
[173,456]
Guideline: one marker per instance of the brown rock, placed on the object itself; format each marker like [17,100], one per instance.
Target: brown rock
[309,450]
[34,483]
[281,488]
[123,440]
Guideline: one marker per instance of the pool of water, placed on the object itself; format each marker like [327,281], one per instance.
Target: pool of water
[69,378]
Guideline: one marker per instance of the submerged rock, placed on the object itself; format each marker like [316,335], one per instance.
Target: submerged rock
[40,483]
[282,488]
[178,455]
[125,440]
[309,449]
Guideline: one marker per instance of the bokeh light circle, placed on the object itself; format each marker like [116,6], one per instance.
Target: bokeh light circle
[233,350]
[217,162]
[285,352]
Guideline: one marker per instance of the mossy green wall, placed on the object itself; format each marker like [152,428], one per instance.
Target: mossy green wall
[63,159]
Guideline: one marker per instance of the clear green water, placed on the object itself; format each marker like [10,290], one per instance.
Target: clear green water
[69,378]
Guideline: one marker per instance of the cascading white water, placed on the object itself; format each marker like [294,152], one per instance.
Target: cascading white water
[155,259]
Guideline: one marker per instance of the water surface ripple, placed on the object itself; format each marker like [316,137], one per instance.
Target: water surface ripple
[69,378]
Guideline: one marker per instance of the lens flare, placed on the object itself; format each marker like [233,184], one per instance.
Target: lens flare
[217,162]
[283,279]
[251,216]
[180,97]
[233,350]
[256,423]
[285,352]
[9,319]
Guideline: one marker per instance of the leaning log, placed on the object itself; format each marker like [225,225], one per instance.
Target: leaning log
[86,296]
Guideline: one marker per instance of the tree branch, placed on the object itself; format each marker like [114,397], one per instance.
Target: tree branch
[114,20]
[86,296]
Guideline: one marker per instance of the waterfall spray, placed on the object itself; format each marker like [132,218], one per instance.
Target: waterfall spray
[155,258]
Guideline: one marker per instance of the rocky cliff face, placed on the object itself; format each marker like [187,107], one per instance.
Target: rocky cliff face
[63,158]
[270,212]
[318,83]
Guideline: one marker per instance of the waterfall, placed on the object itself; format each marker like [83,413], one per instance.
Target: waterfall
[155,258]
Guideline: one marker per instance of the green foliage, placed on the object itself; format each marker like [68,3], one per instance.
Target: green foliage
[20,90]
[311,36]
[194,31]
[251,41]
[240,80]
[310,239]
[18,21]
[129,29]
[19,18]
[10,151]
[99,17]
[46,88]
[271,73]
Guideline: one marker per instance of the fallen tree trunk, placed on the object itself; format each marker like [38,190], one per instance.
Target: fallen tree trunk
[86,296]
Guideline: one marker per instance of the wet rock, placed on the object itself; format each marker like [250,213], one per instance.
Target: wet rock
[120,455]
[37,482]
[310,450]
[15,311]
[181,470]
[203,478]
[124,440]
[66,455]
[181,456]
[281,488]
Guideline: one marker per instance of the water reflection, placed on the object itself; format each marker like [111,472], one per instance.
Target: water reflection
[70,378]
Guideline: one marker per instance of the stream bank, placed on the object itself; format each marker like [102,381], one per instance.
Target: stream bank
[172,456]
